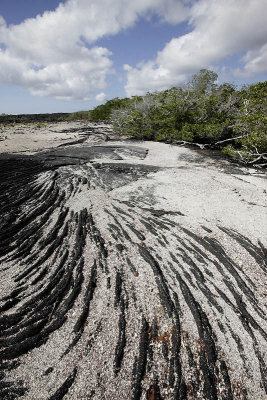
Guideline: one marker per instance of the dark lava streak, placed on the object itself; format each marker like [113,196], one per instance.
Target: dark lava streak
[74,292]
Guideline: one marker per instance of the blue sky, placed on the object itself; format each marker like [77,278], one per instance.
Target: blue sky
[72,55]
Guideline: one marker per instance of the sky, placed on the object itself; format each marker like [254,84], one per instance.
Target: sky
[65,56]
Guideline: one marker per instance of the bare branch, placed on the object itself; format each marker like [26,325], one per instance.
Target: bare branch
[200,145]
[228,140]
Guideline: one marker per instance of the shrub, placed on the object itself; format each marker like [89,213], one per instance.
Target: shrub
[202,112]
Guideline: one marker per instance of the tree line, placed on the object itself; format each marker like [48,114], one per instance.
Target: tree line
[202,113]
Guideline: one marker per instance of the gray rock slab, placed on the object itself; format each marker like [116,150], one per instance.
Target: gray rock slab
[131,270]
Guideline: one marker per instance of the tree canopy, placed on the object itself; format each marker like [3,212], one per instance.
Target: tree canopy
[202,113]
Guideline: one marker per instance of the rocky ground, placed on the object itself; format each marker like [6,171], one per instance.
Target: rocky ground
[129,270]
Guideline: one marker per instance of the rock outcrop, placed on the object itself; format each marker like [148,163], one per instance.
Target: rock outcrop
[131,271]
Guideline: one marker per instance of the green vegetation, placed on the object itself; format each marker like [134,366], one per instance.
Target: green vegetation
[201,113]
[103,111]
[250,126]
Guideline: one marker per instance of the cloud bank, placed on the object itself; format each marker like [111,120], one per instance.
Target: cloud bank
[56,54]
[219,29]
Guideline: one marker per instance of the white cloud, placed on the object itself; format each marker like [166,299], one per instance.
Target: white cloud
[150,77]
[55,53]
[219,29]
[100,97]
[255,62]
[66,80]
[50,54]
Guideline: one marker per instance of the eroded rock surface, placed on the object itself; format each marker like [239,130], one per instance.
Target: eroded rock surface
[131,270]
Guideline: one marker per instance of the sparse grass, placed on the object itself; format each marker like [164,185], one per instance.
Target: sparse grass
[79,115]
[41,125]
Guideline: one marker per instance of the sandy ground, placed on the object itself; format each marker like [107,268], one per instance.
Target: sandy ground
[129,270]
[32,137]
